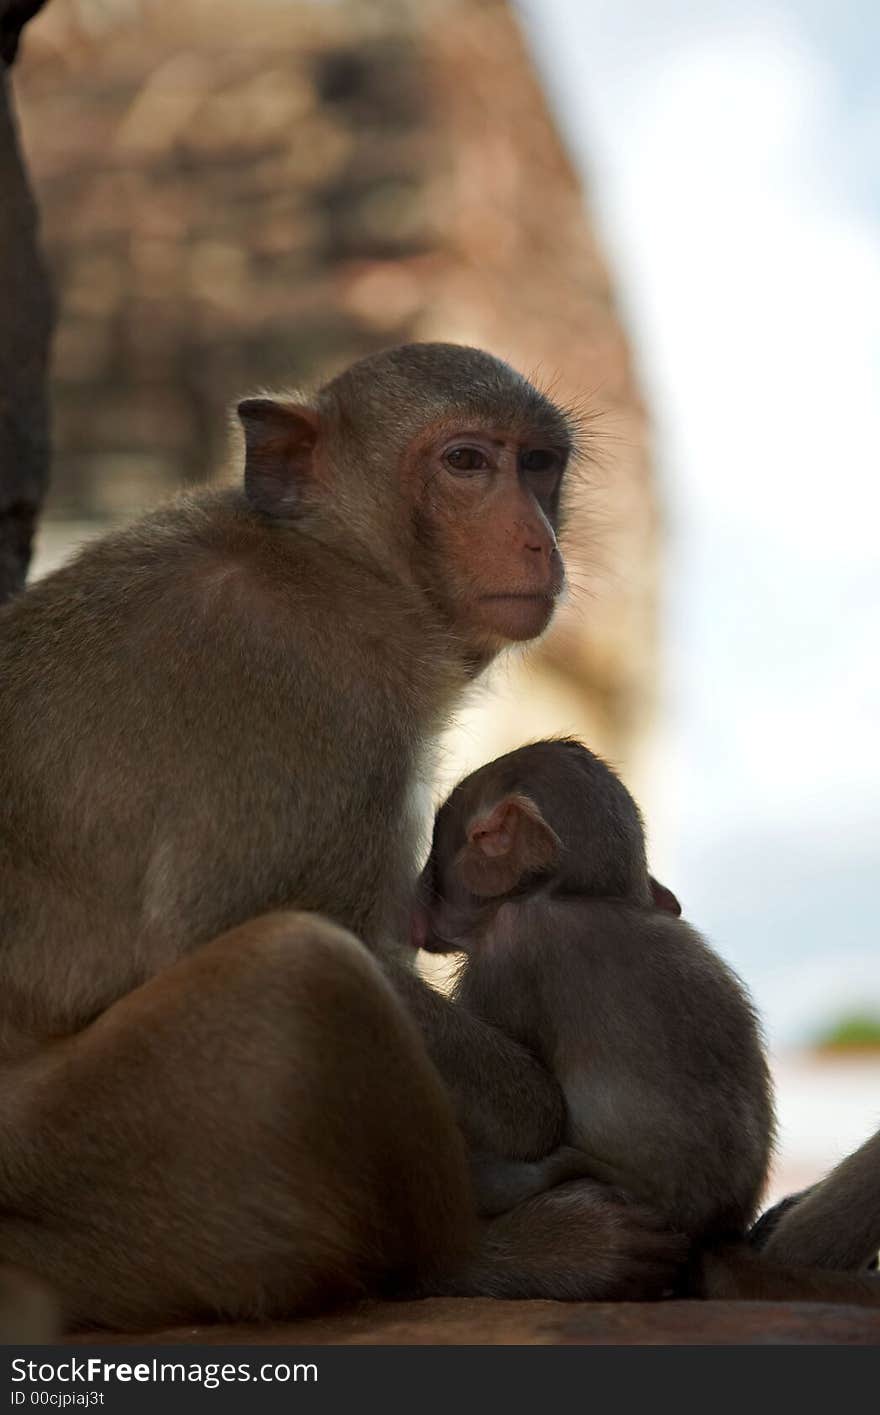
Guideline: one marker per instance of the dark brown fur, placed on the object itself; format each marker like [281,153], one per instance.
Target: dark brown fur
[212,719]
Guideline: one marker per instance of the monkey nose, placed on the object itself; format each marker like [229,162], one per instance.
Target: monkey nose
[535,539]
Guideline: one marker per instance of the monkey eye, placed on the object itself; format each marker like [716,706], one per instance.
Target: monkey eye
[540,459]
[467,459]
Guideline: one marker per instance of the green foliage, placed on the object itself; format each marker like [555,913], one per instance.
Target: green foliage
[859,1029]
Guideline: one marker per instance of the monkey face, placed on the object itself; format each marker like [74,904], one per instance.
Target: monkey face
[440,465]
[488,513]
[444,911]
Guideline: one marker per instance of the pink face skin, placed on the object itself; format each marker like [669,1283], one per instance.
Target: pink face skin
[492,503]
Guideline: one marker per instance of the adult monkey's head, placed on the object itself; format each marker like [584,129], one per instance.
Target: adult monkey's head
[437,463]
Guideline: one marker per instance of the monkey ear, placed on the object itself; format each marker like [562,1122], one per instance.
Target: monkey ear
[664,898]
[280,441]
[512,841]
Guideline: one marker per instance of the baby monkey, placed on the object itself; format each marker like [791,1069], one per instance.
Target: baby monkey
[538,874]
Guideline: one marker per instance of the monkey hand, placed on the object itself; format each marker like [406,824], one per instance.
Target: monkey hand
[500,1184]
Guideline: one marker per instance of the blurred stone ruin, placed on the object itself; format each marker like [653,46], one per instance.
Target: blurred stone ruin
[243,195]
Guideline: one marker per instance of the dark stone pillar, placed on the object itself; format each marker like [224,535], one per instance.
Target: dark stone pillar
[26,317]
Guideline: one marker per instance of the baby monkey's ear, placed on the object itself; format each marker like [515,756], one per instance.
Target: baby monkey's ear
[505,846]
[664,898]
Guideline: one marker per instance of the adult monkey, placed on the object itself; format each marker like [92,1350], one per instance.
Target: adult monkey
[211,1101]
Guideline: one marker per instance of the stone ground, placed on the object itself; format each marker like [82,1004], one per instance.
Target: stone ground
[459,1321]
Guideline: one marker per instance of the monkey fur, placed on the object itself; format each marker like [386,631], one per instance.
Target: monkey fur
[538,874]
[223,1089]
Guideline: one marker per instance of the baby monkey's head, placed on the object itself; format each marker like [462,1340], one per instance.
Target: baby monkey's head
[551,815]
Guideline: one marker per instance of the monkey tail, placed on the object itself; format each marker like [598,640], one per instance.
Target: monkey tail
[736,1272]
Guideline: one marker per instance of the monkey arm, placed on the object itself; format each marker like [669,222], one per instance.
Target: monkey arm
[764,1227]
[506,1102]
[836,1224]
[501,1184]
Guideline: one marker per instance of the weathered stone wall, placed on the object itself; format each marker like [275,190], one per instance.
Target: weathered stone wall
[237,195]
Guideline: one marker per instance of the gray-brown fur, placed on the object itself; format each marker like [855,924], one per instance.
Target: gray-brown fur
[212,719]
[652,1037]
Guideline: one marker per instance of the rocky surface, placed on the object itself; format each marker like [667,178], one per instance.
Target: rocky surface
[482,1321]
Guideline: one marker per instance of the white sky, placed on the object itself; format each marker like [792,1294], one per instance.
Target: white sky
[732,152]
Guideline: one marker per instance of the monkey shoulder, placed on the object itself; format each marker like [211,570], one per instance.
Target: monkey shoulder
[693,969]
[190,627]
[652,962]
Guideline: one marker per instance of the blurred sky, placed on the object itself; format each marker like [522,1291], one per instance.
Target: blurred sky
[732,153]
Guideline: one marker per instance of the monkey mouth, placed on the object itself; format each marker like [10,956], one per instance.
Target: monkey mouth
[544,599]
[520,614]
